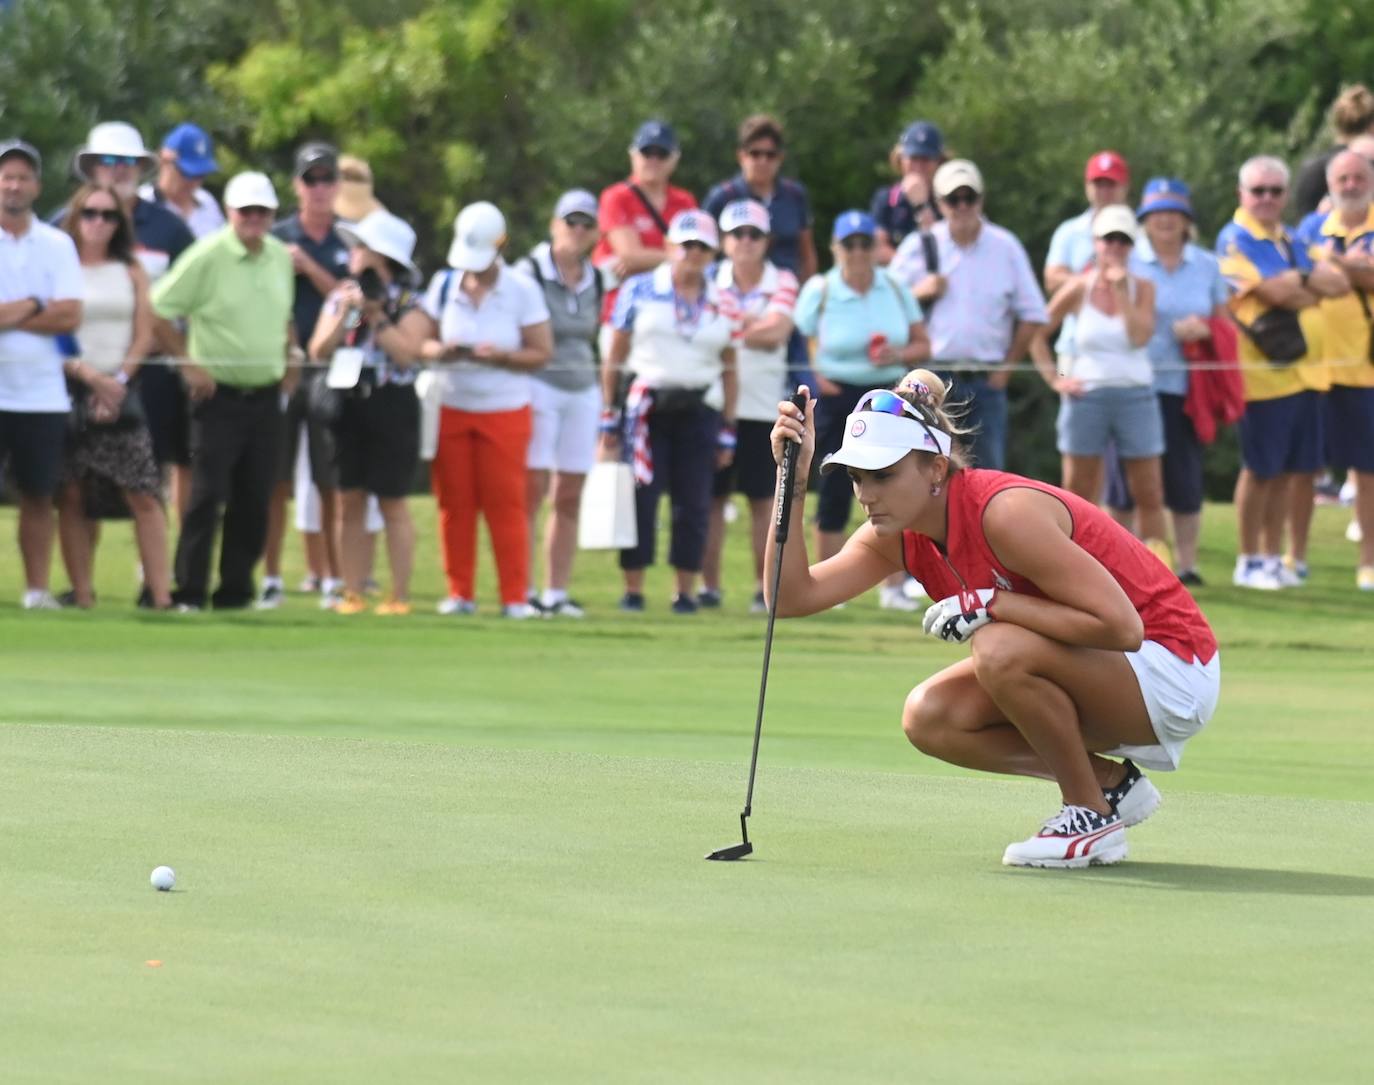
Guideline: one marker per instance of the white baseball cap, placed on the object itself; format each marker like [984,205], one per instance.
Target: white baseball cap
[694,224]
[878,437]
[576,201]
[745,213]
[381,232]
[479,231]
[1116,218]
[250,190]
[955,174]
[115,138]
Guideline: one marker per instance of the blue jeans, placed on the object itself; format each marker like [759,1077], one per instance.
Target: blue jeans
[982,411]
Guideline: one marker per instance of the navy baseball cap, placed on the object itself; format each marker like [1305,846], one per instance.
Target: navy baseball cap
[922,140]
[1165,194]
[10,147]
[193,148]
[655,134]
[853,222]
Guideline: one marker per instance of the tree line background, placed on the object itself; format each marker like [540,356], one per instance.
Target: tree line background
[516,100]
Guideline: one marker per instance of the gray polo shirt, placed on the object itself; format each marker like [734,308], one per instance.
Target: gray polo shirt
[574,312]
[989,287]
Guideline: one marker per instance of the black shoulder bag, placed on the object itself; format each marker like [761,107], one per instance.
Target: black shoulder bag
[1277,332]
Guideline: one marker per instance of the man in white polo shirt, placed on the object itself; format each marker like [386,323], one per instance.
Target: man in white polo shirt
[40,298]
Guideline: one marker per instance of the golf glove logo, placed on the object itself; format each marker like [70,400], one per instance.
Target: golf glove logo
[955,618]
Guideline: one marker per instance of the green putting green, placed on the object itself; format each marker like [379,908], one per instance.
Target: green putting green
[437,849]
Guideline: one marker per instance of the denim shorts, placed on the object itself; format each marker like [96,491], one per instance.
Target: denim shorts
[1129,416]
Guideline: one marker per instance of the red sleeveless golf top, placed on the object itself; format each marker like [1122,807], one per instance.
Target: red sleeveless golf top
[1171,616]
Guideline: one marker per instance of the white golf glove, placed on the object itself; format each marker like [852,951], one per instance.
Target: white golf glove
[955,618]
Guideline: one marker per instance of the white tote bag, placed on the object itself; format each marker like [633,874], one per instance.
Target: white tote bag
[606,520]
[429,387]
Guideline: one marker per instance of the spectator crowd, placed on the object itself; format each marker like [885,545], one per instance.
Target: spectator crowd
[178,363]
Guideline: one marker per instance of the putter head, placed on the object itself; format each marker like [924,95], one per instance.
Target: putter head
[734,851]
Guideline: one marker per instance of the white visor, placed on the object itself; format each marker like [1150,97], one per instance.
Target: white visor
[873,440]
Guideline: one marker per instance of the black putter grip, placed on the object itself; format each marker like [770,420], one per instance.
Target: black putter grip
[789,468]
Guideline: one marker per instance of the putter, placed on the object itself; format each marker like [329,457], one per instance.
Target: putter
[781,521]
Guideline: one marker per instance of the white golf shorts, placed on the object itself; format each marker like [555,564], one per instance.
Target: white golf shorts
[565,428]
[1180,698]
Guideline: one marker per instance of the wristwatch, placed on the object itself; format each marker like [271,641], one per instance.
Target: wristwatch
[38,304]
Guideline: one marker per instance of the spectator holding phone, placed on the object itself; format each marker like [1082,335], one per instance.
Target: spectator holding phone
[110,445]
[488,325]
[373,315]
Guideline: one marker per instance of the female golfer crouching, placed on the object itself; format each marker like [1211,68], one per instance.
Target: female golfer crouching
[1084,644]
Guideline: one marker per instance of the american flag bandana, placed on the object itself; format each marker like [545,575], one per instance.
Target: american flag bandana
[639,403]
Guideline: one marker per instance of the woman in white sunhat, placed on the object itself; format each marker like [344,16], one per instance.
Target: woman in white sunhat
[673,330]
[566,393]
[374,315]
[1084,647]
[1106,387]
[764,295]
[489,326]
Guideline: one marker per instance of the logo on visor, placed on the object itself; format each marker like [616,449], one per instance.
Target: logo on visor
[930,441]
[858,428]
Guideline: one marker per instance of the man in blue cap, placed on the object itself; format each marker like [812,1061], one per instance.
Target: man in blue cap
[909,205]
[187,158]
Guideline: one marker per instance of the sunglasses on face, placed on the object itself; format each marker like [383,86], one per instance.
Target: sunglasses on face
[963,197]
[100,214]
[1118,239]
[313,180]
[118,160]
[580,222]
[697,246]
[763,152]
[255,212]
[1261,192]
[748,233]
[860,242]
[656,152]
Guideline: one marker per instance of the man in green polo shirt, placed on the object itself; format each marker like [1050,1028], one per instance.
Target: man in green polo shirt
[235,290]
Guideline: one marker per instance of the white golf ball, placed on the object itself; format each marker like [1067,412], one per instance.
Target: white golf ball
[164,877]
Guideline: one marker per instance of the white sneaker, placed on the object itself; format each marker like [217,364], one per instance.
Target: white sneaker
[455,605]
[1135,798]
[40,599]
[519,612]
[1353,532]
[890,598]
[331,597]
[1290,573]
[1253,573]
[1075,837]
[272,596]
[914,590]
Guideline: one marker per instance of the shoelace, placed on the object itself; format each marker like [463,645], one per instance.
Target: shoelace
[1073,819]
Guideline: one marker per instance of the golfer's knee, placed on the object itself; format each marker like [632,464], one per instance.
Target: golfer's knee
[1002,653]
[926,718]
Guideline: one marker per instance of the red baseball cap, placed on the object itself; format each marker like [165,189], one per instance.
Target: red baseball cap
[1108,165]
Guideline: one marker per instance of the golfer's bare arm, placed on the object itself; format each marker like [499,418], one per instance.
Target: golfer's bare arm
[1030,532]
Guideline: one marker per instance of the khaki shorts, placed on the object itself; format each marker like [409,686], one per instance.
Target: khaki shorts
[1180,697]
